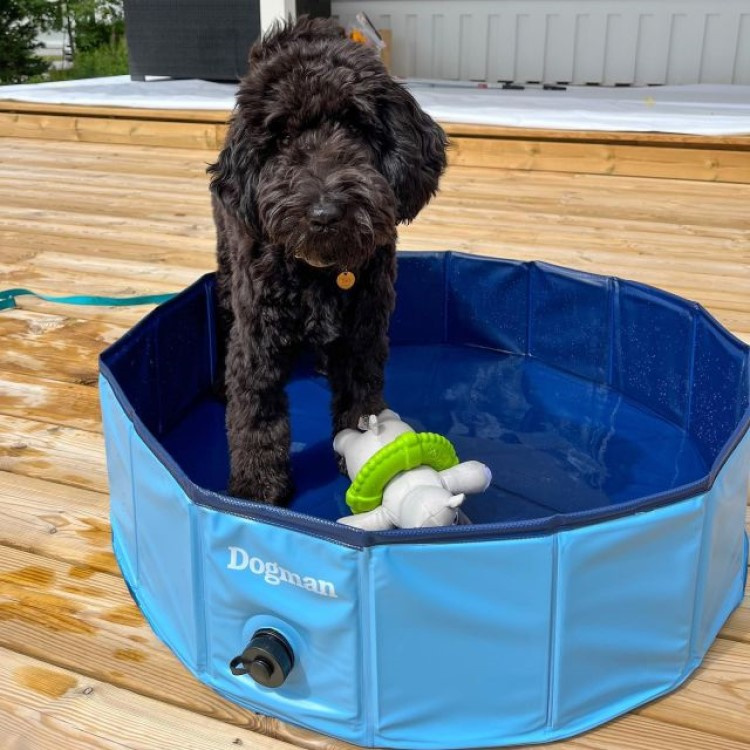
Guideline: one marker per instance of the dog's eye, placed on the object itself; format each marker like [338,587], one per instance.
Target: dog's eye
[285,140]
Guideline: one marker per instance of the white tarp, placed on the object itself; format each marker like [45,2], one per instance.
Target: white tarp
[700,109]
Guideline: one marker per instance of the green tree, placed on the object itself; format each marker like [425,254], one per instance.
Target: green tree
[92,24]
[20,23]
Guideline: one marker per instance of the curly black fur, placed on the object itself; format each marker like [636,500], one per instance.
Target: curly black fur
[325,154]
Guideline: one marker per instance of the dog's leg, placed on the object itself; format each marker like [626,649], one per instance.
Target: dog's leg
[258,367]
[356,361]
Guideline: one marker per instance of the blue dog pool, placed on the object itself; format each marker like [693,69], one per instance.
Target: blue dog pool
[594,575]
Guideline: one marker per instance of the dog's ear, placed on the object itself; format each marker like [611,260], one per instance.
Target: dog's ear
[234,177]
[412,155]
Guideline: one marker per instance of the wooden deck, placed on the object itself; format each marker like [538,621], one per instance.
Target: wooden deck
[682,157]
[81,669]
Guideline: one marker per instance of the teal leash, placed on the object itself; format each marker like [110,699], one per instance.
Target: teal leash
[8,299]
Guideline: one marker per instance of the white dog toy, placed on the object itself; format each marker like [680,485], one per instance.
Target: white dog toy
[402,478]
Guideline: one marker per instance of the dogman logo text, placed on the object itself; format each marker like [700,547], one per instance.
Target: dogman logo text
[274,574]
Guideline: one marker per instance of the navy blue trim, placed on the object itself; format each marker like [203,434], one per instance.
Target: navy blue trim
[356,538]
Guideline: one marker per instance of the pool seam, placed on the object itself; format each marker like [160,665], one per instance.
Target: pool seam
[700,584]
[691,369]
[552,648]
[614,291]
[199,579]
[367,633]
[133,504]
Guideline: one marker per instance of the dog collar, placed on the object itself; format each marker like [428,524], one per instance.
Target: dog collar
[406,452]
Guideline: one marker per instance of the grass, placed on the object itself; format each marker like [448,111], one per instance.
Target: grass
[107,60]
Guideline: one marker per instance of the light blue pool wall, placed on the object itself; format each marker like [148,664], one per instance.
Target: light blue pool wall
[555,633]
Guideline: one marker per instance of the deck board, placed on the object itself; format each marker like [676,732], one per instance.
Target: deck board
[47,708]
[677,156]
[132,219]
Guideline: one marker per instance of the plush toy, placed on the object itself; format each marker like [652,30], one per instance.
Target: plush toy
[404,479]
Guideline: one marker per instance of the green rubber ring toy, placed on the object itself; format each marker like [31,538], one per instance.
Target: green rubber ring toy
[406,452]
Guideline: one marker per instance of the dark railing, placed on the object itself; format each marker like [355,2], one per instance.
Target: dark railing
[207,39]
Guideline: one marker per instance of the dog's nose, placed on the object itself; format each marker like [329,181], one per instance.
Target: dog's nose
[324,214]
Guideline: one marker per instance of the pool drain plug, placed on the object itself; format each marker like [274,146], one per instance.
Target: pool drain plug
[268,659]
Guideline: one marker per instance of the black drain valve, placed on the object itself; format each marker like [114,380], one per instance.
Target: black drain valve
[268,658]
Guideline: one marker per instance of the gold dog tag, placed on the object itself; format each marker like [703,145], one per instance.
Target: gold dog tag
[345,280]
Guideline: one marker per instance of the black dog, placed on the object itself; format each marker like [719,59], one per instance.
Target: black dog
[325,154]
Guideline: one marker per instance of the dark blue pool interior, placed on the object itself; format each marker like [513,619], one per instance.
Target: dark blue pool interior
[580,392]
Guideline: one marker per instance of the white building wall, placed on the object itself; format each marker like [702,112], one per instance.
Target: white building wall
[275,10]
[605,42]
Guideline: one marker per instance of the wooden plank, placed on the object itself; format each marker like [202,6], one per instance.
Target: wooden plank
[75,617]
[221,116]
[123,318]
[632,254]
[134,195]
[716,162]
[591,226]
[715,700]
[612,159]
[152,200]
[50,401]
[636,732]
[503,223]
[136,161]
[114,200]
[721,294]
[164,174]
[636,199]
[120,153]
[595,136]
[55,452]
[19,248]
[110,130]
[47,708]
[570,197]
[579,231]
[108,225]
[126,155]
[93,274]
[738,625]
[57,521]
[19,245]
[630,190]
[106,228]
[53,346]
[75,230]
[218,115]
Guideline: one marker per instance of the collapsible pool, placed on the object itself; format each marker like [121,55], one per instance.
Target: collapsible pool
[596,572]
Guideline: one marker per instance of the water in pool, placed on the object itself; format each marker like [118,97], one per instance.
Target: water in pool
[555,443]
